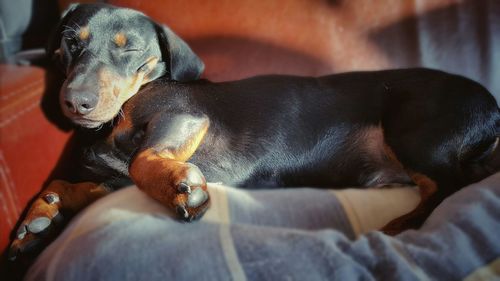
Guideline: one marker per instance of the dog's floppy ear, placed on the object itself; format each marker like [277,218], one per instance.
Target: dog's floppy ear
[183,63]
[56,36]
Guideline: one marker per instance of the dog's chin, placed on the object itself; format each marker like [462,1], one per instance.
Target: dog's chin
[87,121]
[88,124]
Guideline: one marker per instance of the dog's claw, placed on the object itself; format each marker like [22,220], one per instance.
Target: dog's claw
[51,198]
[21,232]
[184,188]
[183,213]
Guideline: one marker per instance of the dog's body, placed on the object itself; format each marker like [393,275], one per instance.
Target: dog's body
[273,131]
[354,129]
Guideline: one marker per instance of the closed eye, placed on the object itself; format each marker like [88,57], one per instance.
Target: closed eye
[143,67]
[132,50]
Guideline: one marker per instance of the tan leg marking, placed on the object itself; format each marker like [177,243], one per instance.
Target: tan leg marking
[163,175]
[44,215]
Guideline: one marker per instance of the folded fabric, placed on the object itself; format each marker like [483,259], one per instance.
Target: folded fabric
[282,234]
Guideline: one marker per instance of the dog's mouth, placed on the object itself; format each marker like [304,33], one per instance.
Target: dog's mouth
[107,108]
[87,123]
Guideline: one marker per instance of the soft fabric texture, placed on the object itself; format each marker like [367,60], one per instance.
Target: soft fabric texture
[286,234]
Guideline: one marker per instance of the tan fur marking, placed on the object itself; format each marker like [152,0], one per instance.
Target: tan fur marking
[132,85]
[188,148]
[114,91]
[125,88]
[76,196]
[84,33]
[73,198]
[124,125]
[120,39]
[157,173]
[151,63]
[157,176]
[427,186]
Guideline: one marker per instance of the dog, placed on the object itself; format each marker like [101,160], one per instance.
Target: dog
[132,86]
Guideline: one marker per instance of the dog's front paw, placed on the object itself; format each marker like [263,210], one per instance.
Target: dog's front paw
[191,199]
[48,214]
[177,185]
[41,225]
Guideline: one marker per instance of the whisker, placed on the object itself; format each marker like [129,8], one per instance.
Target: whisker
[68,29]
[121,113]
[99,127]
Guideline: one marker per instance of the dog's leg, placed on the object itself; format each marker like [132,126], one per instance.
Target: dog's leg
[160,168]
[430,199]
[48,213]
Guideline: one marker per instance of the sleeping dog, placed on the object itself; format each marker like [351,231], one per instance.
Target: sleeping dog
[132,87]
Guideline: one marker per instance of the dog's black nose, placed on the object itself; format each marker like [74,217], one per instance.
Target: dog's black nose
[80,103]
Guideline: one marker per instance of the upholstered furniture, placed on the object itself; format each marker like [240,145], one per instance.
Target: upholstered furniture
[241,38]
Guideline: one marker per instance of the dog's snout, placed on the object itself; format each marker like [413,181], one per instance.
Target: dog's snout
[81,103]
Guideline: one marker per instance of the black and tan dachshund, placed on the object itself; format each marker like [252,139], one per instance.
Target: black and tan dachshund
[132,87]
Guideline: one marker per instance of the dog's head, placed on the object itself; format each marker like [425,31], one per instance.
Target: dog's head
[107,53]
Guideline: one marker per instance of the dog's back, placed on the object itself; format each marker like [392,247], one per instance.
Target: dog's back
[351,129]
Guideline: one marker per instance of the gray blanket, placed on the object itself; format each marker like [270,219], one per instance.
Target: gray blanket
[287,234]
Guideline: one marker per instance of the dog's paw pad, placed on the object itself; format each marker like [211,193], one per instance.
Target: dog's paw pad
[193,205]
[38,225]
[192,199]
[197,198]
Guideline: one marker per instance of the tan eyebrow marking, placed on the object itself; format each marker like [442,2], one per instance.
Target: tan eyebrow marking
[120,39]
[84,33]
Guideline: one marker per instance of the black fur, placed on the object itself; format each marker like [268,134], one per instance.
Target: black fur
[296,131]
